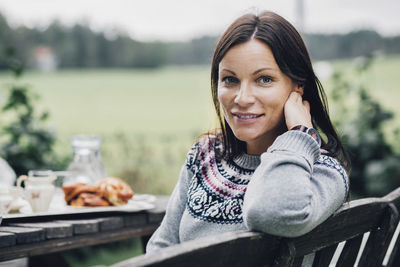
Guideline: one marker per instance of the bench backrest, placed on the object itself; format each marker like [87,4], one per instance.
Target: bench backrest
[378,216]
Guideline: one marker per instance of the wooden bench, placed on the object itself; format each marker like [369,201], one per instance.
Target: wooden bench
[377,216]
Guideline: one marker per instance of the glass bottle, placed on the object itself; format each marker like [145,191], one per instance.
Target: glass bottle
[87,166]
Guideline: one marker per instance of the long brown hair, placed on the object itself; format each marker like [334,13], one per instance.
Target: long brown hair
[293,59]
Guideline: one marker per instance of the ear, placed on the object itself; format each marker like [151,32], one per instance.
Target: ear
[299,88]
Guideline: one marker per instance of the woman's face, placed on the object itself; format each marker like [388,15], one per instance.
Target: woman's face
[252,91]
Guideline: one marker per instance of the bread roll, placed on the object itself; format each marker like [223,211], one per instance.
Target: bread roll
[89,199]
[72,191]
[116,191]
[108,191]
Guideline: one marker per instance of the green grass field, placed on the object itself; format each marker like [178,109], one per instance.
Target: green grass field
[149,118]
[382,78]
[131,101]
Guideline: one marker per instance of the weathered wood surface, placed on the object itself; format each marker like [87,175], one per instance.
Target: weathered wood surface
[228,249]
[111,223]
[297,262]
[324,256]
[7,239]
[81,227]
[379,216]
[60,244]
[379,238]
[353,219]
[25,235]
[350,251]
[394,260]
[51,229]
[38,237]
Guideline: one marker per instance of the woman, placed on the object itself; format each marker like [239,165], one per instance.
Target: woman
[267,168]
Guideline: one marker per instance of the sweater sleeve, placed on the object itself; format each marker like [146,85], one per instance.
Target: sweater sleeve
[167,233]
[294,188]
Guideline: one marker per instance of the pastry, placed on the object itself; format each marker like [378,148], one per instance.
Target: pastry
[72,191]
[108,191]
[116,191]
[89,199]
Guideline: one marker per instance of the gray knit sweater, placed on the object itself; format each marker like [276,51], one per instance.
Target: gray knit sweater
[287,191]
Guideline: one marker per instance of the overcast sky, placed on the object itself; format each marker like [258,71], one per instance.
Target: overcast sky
[185,19]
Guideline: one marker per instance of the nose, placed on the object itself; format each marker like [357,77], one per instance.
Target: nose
[245,95]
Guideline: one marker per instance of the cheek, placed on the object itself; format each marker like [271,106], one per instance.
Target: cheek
[223,98]
[274,100]
[274,105]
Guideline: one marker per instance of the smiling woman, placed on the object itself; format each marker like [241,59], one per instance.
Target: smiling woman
[266,168]
[252,91]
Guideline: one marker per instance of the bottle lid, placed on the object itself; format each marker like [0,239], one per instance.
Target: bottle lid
[86,141]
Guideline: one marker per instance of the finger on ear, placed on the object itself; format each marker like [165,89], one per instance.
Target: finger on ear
[307,105]
[299,89]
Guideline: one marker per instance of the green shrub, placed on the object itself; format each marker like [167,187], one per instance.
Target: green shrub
[361,120]
[26,143]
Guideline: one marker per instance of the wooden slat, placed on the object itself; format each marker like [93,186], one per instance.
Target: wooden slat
[393,197]
[379,240]
[350,251]
[81,227]
[52,229]
[297,262]
[25,235]
[110,223]
[56,245]
[138,219]
[324,256]
[351,220]
[7,239]
[286,254]
[227,249]
[394,257]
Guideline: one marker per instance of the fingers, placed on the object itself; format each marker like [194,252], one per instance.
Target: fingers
[306,104]
[298,98]
[295,97]
[297,111]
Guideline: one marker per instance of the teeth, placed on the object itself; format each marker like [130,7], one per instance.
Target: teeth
[247,116]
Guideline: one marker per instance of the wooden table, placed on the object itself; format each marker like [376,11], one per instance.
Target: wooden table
[28,237]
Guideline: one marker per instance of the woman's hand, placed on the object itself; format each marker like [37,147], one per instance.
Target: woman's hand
[297,111]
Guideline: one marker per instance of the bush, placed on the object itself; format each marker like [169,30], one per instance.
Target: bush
[25,143]
[375,164]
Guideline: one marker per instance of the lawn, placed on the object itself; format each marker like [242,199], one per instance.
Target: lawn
[132,101]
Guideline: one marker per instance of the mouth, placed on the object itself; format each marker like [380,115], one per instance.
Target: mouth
[246,116]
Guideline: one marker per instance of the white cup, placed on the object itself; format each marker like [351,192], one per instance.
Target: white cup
[39,189]
[5,199]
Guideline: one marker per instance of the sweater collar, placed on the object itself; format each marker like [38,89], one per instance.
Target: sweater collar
[247,161]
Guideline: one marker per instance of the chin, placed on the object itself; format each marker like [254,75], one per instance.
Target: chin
[246,136]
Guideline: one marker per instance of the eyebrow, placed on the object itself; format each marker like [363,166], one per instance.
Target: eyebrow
[229,71]
[260,70]
[254,73]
